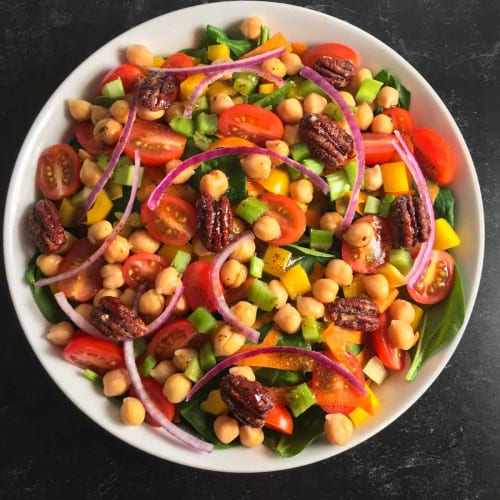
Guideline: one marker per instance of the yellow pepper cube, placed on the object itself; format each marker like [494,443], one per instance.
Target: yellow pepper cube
[189,84]
[158,61]
[214,404]
[170,251]
[219,51]
[278,181]
[446,237]
[266,88]
[419,312]
[356,288]
[296,281]
[100,209]
[395,177]
[393,274]
[276,261]
[359,416]
[221,87]
[68,211]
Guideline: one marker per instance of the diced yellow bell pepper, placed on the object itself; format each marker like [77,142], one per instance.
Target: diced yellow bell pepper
[359,415]
[278,181]
[68,211]
[158,61]
[214,404]
[189,84]
[169,251]
[446,237]
[114,190]
[384,303]
[356,288]
[419,312]
[296,281]
[393,274]
[219,51]
[221,87]
[266,88]
[276,261]
[395,177]
[100,209]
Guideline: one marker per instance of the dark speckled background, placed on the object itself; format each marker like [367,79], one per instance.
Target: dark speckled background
[447,445]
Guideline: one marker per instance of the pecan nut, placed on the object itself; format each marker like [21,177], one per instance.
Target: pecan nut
[117,321]
[157,91]
[247,400]
[46,227]
[214,221]
[409,221]
[358,313]
[335,71]
[326,139]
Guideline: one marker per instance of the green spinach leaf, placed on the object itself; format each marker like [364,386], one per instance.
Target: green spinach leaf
[390,80]
[307,257]
[214,35]
[444,206]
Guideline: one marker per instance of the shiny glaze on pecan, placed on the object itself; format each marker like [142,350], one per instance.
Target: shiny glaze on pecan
[46,227]
[117,321]
[158,91]
[247,400]
[409,221]
[357,313]
[214,221]
[335,71]
[326,139]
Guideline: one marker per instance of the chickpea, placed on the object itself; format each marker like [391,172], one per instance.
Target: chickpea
[128,296]
[359,234]
[292,62]
[244,251]
[227,341]
[215,183]
[373,178]
[167,281]
[182,357]
[280,147]
[266,228]
[151,302]
[226,428]
[107,131]
[402,310]
[251,436]
[382,124]
[387,97]
[233,273]
[199,248]
[220,102]
[139,55]
[314,103]
[163,370]
[176,387]
[146,114]
[288,319]
[376,286]
[90,173]
[49,263]
[105,292]
[118,251]
[251,27]
[119,110]
[359,76]
[363,115]
[84,155]
[309,306]
[338,428]
[80,109]
[325,290]
[245,312]
[291,134]
[274,66]
[182,177]
[97,113]
[401,335]
[99,231]
[348,98]
[181,307]
[132,411]
[112,276]
[84,310]
[339,271]
[243,371]
[70,239]
[61,333]
[331,221]
[141,241]
[302,190]
[290,111]
[256,166]
[116,382]
[175,109]
[279,291]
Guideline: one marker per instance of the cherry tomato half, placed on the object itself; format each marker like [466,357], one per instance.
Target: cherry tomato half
[250,122]
[434,155]
[197,287]
[156,142]
[172,222]
[98,355]
[279,419]
[86,283]
[142,267]
[378,147]
[155,392]
[390,356]
[436,283]
[172,336]
[84,132]
[338,50]
[58,172]
[401,120]
[366,259]
[289,215]
[178,60]
[126,72]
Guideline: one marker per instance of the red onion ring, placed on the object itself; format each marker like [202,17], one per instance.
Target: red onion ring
[335,95]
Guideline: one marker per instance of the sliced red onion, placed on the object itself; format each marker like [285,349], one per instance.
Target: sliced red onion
[335,95]
[222,305]
[159,321]
[214,76]
[424,254]
[155,196]
[172,430]
[223,66]
[107,242]
[314,355]
[118,150]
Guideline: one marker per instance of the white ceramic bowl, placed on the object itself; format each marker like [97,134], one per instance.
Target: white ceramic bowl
[53,125]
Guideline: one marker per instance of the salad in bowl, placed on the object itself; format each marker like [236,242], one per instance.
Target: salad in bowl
[246,243]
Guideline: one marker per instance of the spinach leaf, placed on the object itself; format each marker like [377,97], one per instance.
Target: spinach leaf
[307,257]
[444,206]
[390,80]
[439,326]
[214,35]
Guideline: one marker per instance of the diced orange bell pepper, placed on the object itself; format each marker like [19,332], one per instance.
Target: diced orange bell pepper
[275,42]
[299,48]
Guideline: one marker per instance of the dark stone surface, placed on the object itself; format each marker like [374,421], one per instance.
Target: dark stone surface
[447,445]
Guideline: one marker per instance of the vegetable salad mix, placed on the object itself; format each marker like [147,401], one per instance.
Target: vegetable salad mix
[244,239]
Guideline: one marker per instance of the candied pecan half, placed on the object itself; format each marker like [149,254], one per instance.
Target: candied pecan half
[335,71]
[214,221]
[116,320]
[326,139]
[358,313]
[247,400]
[46,227]
[409,221]
[157,91]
